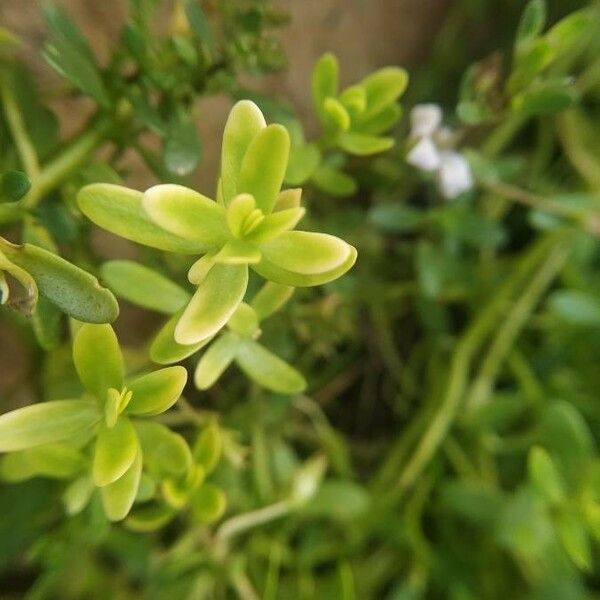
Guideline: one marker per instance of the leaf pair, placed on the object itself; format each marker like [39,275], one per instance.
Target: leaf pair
[358,115]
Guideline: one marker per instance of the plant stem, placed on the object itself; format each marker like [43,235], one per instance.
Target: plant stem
[16,124]
[512,326]
[248,520]
[72,157]
[460,365]
[503,134]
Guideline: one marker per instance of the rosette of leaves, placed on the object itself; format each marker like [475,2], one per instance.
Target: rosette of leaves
[354,121]
[29,274]
[107,420]
[179,478]
[237,342]
[250,225]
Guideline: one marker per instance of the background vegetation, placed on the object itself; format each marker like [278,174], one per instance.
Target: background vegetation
[452,375]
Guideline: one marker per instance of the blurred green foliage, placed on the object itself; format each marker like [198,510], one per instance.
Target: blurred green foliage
[447,443]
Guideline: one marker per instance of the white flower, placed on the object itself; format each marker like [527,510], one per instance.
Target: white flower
[424,155]
[432,152]
[454,174]
[425,120]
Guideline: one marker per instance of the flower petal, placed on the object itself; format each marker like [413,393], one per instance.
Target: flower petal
[186,213]
[306,252]
[213,303]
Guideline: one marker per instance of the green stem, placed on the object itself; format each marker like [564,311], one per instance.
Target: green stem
[512,326]
[69,160]
[16,124]
[503,134]
[243,522]
[460,366]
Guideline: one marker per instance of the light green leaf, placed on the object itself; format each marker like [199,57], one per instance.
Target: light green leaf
[302,162]
[208,503]
[236,252]
[383,88]
[275,273]
[77,495]
[116,449]
[325,82]
[165,350]
[270,298]
[238,211]
[208,447]
[354,98]
[268,370]
[531,23]
[57,461]
[545,98]
[72,289]
[575,539]
[166,453]
[306,252]
[264,166]
[333,181]
[143,286]
[243,124]
[363,144]
[215,360]
[186,213]
[98,359]
[244,321]
[156,392]
[46,423]
[290,198]
[275,224]
[118,497]
[149,518]
[119,210]
[336,116]
[380,122]
[213,303]
[545,475]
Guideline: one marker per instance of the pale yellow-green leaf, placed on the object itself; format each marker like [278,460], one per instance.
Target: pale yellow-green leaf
[213,303]
[98,359]
[115,450]
[215,360]
[186,213]
[118,497]
[157,391]
[46,423]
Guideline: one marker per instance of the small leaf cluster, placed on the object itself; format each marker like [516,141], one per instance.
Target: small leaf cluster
[108,419]
[536,83]
[249,226]
[354,121]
